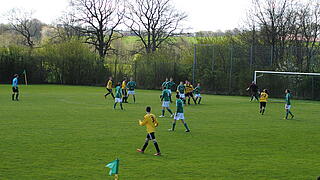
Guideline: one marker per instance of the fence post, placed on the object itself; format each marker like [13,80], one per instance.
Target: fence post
[251,57]
[230,73]
[212,65]
[194,63]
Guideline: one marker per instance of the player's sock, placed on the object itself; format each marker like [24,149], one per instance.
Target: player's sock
[145,145]
[12,97]
[134,98]
[173,126]
[156,146]
[114,106]
[184,101]
[199,100]
[17,95]
[162,112]
[287,113]
[186,126]
[189,101]
[251,98]
[112,95]
[170,111]
[121,106]
[263,111]
[260,110]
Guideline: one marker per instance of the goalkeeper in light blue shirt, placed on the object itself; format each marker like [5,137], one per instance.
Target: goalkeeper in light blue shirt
[15,89]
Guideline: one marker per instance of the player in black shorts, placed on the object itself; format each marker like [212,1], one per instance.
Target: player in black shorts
[15,89]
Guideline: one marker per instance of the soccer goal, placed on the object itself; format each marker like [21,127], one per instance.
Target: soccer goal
[305,85]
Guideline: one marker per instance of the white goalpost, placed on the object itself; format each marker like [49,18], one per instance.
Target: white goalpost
[277,72]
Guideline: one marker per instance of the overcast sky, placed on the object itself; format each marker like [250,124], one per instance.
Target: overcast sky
[205,15]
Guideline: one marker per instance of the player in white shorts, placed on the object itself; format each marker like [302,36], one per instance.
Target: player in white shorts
[131,85]
[166,100]
[179,115]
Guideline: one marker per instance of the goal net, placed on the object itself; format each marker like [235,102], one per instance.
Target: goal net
[302,85]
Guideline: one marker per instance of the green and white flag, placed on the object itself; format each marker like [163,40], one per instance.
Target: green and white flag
[114,167]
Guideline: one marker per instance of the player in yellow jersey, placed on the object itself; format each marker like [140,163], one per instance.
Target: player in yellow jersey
[109,88]
[150,121]
[124,91]
[189,92]
[263,101]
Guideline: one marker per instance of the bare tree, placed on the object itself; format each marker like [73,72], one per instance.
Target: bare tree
[22,22]
[309,29]
[98,20]
[274,18]
[153,21]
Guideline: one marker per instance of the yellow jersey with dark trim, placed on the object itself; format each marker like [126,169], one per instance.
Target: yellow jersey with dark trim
[263,97]
[109,84]
[150,121]
[124,85]
[189,88]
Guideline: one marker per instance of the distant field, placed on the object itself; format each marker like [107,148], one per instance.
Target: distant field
[72,132]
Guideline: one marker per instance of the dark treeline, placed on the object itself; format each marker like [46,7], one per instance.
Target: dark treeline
[85,46]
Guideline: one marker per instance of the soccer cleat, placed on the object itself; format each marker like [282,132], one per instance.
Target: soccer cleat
[292,116]
[171,115]
[140,150]
[170,130]
[188,130]
[161,116]
[157,154]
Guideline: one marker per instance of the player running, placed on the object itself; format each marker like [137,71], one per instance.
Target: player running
[166,100]
[179,115]
[150,121]
[189,92]
[197,94]
[288,104]
[15,89]
[109,88]
[180,91]
[118,98]
[263,101]
[124,91]
[253,88]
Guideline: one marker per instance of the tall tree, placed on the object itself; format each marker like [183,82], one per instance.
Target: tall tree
[99,20]
[274,18]
[22,22]
[153,21]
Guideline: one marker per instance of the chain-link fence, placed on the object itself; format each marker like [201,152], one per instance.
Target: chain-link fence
[230,69]
[225,69]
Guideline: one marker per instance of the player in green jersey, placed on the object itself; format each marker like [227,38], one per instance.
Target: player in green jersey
[288,104]
[164,84]
[170,84]
[118,98]
[179,115]
[181,92]
[197,94]
[166,100]
[131,85]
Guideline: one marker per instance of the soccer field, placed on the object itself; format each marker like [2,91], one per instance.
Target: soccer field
[72,132]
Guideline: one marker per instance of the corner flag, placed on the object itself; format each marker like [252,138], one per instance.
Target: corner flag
[25,77]
[114,168]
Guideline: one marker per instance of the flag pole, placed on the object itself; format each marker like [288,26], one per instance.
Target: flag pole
[25,77]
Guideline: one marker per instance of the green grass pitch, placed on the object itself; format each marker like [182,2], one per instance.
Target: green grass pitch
[72,132]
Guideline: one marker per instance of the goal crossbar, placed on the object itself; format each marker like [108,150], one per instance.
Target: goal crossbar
[277,72]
